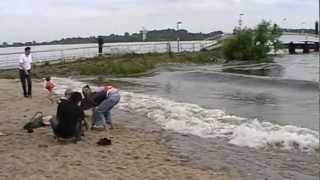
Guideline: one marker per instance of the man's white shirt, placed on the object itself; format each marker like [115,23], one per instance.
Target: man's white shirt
[25,62]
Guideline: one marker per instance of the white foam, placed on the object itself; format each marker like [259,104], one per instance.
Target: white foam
[192,119]
[257,134]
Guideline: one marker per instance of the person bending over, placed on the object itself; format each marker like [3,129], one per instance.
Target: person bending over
[102,101]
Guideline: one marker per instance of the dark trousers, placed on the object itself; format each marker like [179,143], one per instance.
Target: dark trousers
[26,80]
[77,132]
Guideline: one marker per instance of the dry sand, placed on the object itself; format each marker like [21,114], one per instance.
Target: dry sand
[134,154]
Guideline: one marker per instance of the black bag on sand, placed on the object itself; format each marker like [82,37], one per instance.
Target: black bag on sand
[35,122]
[104,142]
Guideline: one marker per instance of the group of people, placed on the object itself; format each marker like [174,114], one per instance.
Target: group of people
[70,116]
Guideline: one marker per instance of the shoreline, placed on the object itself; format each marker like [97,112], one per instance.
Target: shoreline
[134,154]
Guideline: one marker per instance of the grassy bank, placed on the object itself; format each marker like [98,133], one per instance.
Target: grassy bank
[120,65]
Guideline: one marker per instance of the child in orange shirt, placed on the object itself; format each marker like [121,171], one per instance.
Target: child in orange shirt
[49,86]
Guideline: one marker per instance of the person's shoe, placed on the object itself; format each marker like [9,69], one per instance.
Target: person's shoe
[80,142]
[98,128]
[25,95]
[77,139]
[110,124]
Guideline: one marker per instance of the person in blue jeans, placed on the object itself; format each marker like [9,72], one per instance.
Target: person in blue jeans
[102,100]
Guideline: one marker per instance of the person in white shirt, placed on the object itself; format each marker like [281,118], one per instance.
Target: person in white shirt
[24,72]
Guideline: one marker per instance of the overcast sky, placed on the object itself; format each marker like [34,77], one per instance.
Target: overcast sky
[43,20]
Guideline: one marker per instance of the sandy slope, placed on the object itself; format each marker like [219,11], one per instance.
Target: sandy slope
[135,154]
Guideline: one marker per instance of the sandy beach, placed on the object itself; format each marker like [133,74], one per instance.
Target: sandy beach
[134,154]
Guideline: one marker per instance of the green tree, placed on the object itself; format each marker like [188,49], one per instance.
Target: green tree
[276,33]
[252,44]
[239,46]
[126,34]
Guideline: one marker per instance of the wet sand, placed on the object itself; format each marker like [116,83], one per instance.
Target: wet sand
[134,154]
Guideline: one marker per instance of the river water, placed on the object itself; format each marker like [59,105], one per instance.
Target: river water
[286,94]
[258,121]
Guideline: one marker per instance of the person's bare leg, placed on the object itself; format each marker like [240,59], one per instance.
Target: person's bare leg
[50,97]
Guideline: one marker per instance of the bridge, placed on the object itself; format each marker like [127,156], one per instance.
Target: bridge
[305,46]
[291,41]
[302,34]
[304,41]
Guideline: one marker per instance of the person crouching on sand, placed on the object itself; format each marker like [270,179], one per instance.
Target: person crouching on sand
[49,86]
[102,100]
[69,118]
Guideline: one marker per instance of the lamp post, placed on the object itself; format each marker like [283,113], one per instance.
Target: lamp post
[144,32]
[283,24]
[303,31]
[240,20]
[318,46]
[178,38]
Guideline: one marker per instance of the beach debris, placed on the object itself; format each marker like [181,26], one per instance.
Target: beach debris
[43,146]
[35,121]
[3,134]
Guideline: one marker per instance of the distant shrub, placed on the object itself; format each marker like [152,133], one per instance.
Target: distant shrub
[248,44]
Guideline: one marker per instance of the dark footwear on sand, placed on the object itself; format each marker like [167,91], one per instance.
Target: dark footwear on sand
[104,142]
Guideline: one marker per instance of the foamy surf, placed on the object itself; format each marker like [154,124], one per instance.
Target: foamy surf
[210,123]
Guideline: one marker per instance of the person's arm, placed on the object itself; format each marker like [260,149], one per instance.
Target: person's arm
[30,61]
[26,71]
[21,61]
[82,119]
[45,84]
[53,85]
[58,114]
[80,114]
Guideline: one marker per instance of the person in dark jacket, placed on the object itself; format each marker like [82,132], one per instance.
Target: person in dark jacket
[69,118]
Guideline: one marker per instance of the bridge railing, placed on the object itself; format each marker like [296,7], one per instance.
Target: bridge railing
[10,59]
